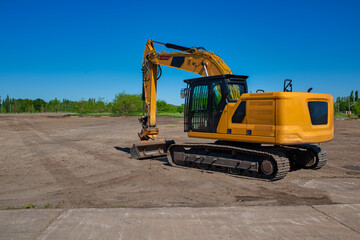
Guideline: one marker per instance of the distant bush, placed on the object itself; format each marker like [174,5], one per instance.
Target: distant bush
[162,106]
[39,105]
[180,109]
[83,107]
[343,104]
[123,104]
[127,104]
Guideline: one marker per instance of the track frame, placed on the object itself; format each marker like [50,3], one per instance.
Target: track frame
[269,163]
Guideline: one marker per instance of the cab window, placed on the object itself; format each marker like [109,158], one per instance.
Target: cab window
[216,96]
[235,91]
[200,98]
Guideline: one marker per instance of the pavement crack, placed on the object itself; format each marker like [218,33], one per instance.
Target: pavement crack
[349,227]
[55,219]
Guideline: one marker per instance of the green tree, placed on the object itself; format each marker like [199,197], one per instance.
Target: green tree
[356,95]
[352,96]
[6,103]
[68,106]
[344,104]
[83,107]
[100,105]
[14,106]
[337,104]
[172,108]
[127,104]
[20,105]
[180,109]
[29,106]
[356,108]
[162,106]
[39,105]
[53,105]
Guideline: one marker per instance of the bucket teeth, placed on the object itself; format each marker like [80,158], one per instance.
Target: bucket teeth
[150,149]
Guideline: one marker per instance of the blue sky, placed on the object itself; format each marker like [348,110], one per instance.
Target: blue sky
[82,49]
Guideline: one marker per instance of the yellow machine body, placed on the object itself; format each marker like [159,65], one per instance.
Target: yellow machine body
[280,118]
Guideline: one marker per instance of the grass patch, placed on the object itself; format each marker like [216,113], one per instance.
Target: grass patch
[60,204]
[348,116]
[91,114]
[170,114]
[30,205]
[27,206]
[11,208]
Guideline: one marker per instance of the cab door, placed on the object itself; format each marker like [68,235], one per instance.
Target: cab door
[237,109]
[199,109]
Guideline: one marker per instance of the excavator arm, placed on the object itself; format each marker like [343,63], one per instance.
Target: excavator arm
[196,60]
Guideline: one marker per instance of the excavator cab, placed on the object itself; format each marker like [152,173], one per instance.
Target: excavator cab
[206,98]
[220,108]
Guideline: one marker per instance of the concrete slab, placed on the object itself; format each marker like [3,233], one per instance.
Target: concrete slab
[25,224]
[346,190]
[287,222]
[347,214]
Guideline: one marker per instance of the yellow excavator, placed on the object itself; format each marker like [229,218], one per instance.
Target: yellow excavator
[258,135]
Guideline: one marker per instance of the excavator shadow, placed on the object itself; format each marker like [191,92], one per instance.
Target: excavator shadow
[125,150]
[160,159]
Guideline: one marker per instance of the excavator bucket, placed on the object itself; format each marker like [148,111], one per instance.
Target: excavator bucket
[150,149]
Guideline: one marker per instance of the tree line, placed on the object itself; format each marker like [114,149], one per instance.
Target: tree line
[122,104]
[348,103]
[126,104]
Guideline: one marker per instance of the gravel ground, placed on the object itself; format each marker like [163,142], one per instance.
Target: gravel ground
[75,162]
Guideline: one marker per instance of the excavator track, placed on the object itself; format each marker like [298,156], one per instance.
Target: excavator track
[267,163]
[306,156]
[320,155]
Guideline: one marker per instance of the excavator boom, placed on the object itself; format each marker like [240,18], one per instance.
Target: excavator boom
[196,60]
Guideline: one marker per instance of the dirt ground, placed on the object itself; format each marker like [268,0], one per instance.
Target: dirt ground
[74,162]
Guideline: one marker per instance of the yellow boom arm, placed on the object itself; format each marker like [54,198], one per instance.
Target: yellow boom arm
[196,60]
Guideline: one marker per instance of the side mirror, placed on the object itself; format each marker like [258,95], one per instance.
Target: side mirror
[183,92]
